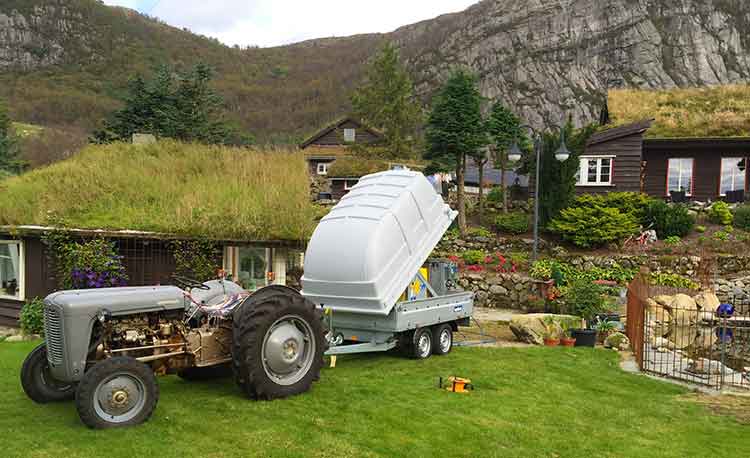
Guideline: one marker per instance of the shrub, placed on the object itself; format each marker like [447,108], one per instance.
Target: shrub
[702,229]
[672,240]
[673,280]
[631,203]
[668,220]
[593,226]
[478,232]
[721,236]
[495,195]
[513,223]
[473,257]
[585,299]
[32,317]
[742,217]
[720,213]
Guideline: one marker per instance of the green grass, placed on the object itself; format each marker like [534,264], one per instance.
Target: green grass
[714,111]
[170,187]
[24,130]
[528,403]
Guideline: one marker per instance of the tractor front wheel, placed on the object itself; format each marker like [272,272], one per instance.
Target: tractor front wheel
[119,391]
[38,383]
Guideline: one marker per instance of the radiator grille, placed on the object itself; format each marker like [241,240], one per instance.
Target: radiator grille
[54,335]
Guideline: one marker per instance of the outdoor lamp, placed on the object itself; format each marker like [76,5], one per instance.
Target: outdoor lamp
[562,154]
[514,155]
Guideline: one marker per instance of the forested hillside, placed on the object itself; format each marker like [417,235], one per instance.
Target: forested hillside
[67,61]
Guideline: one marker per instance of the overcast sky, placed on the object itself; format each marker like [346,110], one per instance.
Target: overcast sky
[278,22]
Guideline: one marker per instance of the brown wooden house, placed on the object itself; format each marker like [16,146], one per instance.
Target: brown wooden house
[622,159]
[333,141]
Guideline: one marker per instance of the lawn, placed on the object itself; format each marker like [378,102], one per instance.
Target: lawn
[530,402]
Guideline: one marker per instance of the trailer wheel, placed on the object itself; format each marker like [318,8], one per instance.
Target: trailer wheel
[421,344]
[278,345]
[119,391]
[38,383]
[442,339]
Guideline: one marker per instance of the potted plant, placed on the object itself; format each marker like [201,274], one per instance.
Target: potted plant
[551,332]
[603,329]
[566,339]
[586,299]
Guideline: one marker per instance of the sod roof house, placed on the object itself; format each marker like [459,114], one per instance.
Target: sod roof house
[334,140]
[253,205]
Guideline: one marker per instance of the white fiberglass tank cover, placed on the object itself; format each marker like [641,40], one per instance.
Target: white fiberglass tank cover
[367,250]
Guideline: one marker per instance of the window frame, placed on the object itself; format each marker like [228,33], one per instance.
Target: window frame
[21,296]
[721,174]
[347,186]
[583,181]
[353,136]
[688,192]
[324,170]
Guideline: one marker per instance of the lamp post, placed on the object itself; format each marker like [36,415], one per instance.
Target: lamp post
[562,154]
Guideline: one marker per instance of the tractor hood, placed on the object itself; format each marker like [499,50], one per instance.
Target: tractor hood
[118,301]
[367,250]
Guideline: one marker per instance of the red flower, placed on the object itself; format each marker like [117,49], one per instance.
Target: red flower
[488,260]
[475,268]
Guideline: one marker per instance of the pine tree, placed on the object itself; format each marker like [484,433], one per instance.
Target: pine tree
[504,129]
[10,163]
[176,105]
[455,130]
[387,102]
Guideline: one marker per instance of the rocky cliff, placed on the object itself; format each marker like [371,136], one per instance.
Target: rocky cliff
[543,58]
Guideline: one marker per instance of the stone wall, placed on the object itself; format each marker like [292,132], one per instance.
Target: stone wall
[503,290]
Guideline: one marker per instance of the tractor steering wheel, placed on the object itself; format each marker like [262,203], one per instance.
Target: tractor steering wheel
[189,283]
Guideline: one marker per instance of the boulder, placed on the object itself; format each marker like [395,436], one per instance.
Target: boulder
[530,328]
[662,343]
[684,302]
[22,338]
[706,338]
[682,336]
[663,300]
[618,341]
[498,290]
[707,301]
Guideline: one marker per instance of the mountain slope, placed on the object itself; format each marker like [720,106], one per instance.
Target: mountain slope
[66,61]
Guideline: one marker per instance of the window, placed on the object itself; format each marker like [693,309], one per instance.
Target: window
[252,268]
[349,184]
[323,168]
[732,174]
[680,175]
[595,171]
[350,135]
[11,269]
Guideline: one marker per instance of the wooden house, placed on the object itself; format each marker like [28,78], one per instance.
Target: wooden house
[624,159]
[333,141]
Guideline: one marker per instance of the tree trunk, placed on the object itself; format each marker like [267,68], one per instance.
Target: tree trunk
[502,182]
[481,190]
[460,195]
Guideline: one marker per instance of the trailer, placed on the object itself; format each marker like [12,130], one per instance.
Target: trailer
[367,266]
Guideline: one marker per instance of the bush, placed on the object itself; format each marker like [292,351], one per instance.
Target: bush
[32,317]
[672,240]
[478,232]
[668,220]
[495,195]
[473,257]
[720,213]
[742,217]
[630,203]
[513,223]
[702,229]
[593,226]
[673,280]
[585,299]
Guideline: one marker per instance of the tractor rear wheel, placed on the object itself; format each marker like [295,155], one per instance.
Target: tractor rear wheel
[38,383]
[279,341]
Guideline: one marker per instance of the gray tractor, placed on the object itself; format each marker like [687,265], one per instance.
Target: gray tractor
[104,347]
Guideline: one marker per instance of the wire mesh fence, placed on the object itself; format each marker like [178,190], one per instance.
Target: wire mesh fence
[689,336]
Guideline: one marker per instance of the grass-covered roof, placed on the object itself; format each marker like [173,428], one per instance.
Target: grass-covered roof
[168,187]
[717,111]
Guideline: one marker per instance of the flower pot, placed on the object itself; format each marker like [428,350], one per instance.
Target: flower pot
[548,342]
[584,337]
[568,341]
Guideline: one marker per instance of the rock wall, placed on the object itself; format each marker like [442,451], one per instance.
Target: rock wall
[511,291]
